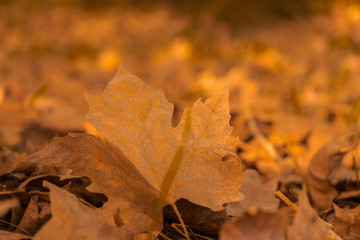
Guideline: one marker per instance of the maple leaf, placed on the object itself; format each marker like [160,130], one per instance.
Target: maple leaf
[137,119]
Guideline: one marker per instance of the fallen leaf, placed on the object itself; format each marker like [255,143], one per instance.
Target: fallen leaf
[137,119]
[307,224]
[76,185]
[261,226]
[341,222]
[346,223]
[73,220]
[21,182]
[35,215]
[111,174]
[257,196]
[323,164]
[34,210]
[16,215]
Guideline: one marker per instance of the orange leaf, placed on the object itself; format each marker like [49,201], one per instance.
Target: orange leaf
[137,119]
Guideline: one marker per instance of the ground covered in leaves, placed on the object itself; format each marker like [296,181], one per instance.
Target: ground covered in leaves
[247,132]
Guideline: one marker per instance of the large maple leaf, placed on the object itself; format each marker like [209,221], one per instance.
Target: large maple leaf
[137,119]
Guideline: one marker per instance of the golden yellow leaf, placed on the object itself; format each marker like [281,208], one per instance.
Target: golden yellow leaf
[137,119]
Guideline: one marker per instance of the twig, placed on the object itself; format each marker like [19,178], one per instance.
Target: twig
[164,236]
[286,200]
[181,220]
[11,224]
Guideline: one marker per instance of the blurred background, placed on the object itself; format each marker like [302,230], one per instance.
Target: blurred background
[292,66]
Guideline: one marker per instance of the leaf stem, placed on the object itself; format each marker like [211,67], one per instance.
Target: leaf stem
[170,174]
[22,229]
[181,220]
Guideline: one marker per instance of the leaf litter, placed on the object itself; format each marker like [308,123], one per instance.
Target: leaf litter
[136,131]
[178,168]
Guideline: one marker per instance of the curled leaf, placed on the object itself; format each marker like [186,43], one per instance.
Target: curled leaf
[323,164]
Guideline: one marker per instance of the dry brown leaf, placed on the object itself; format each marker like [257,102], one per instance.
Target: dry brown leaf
[323,164]
[76,185]
[137,120]
[35,215]
[257,196]
[111,173]
[341,222]
[346,223]
[15,217]
[262,226]
[25,181]
[307,224]
[73,220]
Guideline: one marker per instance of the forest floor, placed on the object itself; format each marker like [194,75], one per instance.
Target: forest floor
[294,95]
